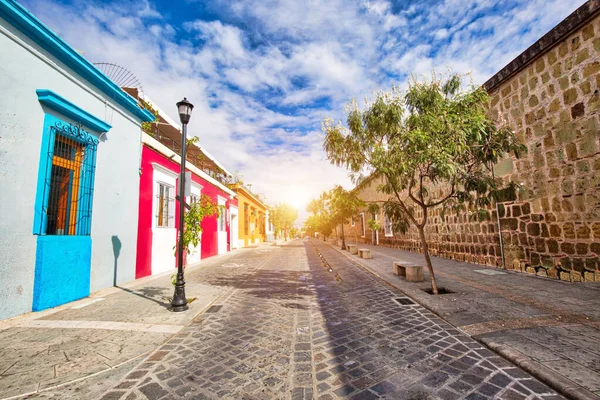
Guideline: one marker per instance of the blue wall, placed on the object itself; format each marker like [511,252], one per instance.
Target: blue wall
[62,270]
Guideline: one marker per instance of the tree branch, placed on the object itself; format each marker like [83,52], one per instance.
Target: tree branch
[402,205]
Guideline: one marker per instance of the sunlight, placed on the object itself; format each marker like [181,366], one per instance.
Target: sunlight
[297,198]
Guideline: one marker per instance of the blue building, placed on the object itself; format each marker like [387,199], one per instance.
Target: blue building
[69,161]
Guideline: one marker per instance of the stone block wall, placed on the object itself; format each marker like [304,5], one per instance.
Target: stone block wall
[553,227]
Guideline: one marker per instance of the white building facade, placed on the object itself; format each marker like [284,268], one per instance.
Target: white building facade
[69,162]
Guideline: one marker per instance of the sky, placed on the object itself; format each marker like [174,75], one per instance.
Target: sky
[262,75]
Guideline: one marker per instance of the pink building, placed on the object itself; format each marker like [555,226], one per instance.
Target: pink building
[158,214]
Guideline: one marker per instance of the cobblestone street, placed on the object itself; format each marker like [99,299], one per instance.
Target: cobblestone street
[296,327]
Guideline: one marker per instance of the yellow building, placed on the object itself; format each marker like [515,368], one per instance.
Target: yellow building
[252,220]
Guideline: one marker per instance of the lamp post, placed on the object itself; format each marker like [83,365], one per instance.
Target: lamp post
[179,302]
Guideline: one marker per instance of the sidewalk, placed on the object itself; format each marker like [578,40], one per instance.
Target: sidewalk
[105,334]
[549,328]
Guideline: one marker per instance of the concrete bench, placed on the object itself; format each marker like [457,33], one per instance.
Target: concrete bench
[364,253]
[352,248]
[412,272]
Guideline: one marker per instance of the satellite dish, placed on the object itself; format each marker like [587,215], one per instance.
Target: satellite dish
[121,76]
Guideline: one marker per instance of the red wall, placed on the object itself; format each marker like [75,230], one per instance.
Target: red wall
[209,244]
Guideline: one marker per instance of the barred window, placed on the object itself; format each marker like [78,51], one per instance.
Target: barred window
[165,207]
[194,198]
[222,212]
[387,226]
[66,202]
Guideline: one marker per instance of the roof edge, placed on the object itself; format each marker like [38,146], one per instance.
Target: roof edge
[573,22]
[166,117]
[247,193]
[19,17]
[165,151]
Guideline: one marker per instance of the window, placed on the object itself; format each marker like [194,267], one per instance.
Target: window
[222,212]
[194,198]
[362,225]
[387,226]
[246,219]
[165,205]
[68,184]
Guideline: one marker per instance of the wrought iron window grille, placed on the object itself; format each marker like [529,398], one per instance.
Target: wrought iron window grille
[68,187]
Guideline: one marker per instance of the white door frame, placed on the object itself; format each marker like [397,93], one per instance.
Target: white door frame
[234,224]
[222,235]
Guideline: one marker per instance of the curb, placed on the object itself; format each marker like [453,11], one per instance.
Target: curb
[562,385]
[143,355]
[14,321]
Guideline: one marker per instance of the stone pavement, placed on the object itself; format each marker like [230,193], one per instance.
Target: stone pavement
[43,352]
[550,328]
[303,322]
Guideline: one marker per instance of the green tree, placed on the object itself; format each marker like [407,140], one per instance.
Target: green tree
[344,205]
[283,217]
[322,220]
[432,145]
[205,207]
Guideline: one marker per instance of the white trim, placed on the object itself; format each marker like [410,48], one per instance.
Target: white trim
[363,231]
[165,151]
[165,171]
[377,231]
[221,200]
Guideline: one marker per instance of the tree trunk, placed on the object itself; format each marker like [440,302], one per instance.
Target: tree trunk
[343,239]
[434,287]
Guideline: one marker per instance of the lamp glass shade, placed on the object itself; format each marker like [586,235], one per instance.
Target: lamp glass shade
[184,107]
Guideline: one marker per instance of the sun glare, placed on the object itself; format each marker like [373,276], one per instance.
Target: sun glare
[297,198]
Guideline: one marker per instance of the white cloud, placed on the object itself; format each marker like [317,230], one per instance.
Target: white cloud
[268,72]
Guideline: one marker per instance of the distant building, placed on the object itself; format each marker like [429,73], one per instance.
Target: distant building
[270,229]
[550,95]
[70,140]
[252,224]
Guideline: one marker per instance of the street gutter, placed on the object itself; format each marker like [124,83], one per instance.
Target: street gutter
[562,385]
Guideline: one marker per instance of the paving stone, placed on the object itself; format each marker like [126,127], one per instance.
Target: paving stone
[289,327]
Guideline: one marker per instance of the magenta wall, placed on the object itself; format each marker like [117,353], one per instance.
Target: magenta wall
[209,244]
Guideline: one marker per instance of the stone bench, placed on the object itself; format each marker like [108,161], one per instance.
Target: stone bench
[412,272]
[352,248]
[364,253]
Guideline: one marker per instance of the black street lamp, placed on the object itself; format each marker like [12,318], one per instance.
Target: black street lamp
[179,302]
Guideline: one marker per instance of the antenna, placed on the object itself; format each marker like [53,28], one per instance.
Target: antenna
[123,77]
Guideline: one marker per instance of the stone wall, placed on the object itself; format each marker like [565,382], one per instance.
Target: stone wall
[552,229]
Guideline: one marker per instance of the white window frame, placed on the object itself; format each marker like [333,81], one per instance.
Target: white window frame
[363,231]
[222,217]
[170,205]
[387,226]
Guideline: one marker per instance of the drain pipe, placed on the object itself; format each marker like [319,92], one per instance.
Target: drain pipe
[498,222]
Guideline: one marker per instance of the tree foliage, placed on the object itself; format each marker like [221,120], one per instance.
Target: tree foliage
[333,207]
[432,145]
[205,207]
[282,217]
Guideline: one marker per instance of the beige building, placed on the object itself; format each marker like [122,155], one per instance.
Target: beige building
[550,94]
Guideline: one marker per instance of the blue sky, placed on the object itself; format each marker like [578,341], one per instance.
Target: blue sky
[264,74]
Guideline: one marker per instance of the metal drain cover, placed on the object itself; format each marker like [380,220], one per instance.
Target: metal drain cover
[489,272]
[404,301]
[213,309]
